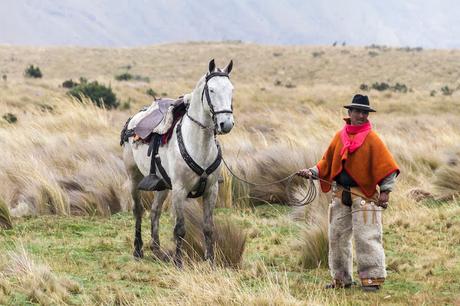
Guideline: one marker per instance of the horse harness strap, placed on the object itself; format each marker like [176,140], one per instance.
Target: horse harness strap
[153,148]
[208,97]
[200,187]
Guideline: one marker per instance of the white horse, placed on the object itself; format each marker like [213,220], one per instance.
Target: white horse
[209,112]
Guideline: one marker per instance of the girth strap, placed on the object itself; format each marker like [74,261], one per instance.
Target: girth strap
[200,187]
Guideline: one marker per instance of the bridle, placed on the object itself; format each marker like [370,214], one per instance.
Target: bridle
[205,93]
[203,173]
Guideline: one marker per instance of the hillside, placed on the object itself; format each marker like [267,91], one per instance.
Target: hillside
[120,23]
[64,184]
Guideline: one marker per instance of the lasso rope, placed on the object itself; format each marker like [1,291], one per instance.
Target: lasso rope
[310,193]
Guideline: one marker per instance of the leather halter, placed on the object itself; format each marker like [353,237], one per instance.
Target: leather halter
[208,99]
[200,187]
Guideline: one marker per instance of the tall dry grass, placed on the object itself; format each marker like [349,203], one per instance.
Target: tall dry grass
[63,158]
[447,177]
[230,240]
[22,274]
[64,163]
[5,217]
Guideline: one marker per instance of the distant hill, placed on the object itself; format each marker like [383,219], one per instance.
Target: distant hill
[432,24]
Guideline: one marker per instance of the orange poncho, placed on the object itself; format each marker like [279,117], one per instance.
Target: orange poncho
[368,165]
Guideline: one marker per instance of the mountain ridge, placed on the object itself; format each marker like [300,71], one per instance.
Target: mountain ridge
[118,23]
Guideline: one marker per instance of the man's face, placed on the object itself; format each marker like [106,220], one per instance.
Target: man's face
[357,116]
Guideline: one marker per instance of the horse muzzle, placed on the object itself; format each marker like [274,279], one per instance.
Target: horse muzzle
[225,126]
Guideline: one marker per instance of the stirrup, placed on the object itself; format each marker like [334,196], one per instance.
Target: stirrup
[152,183]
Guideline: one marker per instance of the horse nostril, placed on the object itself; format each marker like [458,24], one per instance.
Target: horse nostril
[221,126]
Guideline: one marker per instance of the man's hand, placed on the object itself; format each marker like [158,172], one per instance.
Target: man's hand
[384,197]
[305,173]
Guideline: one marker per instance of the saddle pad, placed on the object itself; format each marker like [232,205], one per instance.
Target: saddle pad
[153,116]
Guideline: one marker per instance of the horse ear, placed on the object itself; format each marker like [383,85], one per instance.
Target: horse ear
[212,66]
[229,67]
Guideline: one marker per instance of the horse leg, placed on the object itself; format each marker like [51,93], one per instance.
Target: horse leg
[179,197]
[209,202]
[138,211]
[157,205]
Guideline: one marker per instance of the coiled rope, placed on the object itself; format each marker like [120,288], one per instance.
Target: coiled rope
[310,188]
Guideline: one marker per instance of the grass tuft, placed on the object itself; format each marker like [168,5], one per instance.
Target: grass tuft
[230,240]
[5,217]
[36,281]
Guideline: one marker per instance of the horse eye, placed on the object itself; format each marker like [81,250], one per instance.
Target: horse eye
[211,90]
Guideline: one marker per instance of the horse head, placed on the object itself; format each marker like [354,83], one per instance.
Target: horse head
[218,93]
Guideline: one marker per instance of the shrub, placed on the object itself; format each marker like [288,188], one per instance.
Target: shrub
[128,77]
[400,88]
[380,86]
[141,78]
[10,118]
[364,87]
[69,84]
[4,77]
[447,91]
[99,94]
[33,72]
[151,93]
[373,53]
[124,77]
[433,93]
[317,54]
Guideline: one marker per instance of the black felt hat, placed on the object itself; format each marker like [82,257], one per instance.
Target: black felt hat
[360,102]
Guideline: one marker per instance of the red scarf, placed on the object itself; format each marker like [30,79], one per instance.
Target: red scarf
[360,132]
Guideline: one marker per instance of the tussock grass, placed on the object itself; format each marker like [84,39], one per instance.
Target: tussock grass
[230,240]
[314,241]
[315,249]
[5,218]
[447,181]
[201,284]
[36,281]
[59,167]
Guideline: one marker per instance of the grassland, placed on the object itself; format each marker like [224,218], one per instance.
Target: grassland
[73,245]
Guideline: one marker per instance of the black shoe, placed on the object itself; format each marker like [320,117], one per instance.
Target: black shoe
[152,183]
[371,288]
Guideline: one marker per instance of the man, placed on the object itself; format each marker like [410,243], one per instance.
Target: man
[354,164]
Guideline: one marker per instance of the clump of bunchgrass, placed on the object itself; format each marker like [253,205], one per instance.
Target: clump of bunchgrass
[447,177]
[230,240]
[314,237]
[5,218]
[36,281]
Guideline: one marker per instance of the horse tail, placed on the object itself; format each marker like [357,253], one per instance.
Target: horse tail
[125,133]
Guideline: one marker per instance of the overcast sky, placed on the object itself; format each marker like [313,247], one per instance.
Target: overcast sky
[426,23]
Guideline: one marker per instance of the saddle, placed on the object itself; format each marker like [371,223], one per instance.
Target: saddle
[159,117]
[155,126]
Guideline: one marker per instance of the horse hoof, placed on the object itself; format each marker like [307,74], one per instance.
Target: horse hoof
[178,263]
[161,256]
[138,254]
